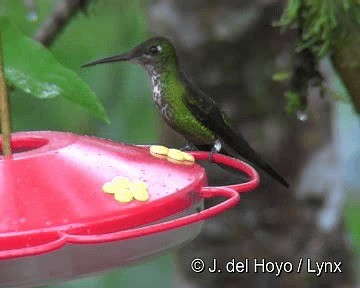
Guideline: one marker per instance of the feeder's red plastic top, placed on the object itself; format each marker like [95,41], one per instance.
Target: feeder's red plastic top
[62,181]
[51,187]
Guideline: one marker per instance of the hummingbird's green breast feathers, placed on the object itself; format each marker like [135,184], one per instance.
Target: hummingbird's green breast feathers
[181,118]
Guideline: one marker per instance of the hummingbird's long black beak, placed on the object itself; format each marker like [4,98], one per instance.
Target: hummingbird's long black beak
[117,58]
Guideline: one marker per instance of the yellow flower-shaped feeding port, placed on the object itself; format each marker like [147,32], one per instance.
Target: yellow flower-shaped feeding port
[159,150]
[123,195]
[173,155]
[125,191]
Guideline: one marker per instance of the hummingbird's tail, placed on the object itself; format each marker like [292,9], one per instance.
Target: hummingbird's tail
[242,148]
[255,158]
[250,155]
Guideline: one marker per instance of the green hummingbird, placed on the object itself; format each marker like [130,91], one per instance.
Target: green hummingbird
[185,108]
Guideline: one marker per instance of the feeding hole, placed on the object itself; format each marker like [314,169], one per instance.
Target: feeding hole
[25,144]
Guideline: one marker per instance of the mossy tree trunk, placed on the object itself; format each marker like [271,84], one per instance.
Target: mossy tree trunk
[230,49]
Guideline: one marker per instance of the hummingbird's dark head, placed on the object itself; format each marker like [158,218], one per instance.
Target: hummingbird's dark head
[154,53]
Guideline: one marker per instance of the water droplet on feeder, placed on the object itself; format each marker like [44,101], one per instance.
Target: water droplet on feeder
[302,115]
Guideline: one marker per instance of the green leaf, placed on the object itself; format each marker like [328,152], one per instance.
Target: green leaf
[31,68]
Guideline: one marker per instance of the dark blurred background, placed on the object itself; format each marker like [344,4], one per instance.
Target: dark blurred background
[231,50]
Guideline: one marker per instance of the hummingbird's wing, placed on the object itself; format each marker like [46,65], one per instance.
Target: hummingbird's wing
[206,110]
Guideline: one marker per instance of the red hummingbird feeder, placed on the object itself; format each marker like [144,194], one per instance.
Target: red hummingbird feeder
[57,223]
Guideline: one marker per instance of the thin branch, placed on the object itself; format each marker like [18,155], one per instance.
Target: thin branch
[58,20]
[5,116]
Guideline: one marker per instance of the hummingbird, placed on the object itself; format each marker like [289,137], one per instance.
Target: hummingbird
[186,108]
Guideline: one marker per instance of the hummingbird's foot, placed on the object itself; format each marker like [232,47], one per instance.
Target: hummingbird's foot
[215,149]
[188,147]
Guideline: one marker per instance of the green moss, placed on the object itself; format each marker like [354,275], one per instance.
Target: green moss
[294,102]
[324,24]
[281,76]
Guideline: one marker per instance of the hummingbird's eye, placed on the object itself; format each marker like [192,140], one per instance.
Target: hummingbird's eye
[155,49]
